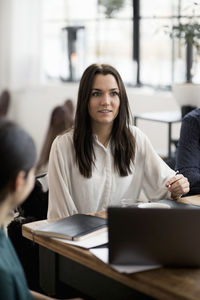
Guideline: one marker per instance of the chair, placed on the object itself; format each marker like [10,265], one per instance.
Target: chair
[4,103]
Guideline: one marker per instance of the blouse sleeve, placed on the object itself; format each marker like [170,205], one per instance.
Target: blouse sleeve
[60,203]
[156,173]
[188,153]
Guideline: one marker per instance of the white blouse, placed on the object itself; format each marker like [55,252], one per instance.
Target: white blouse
[71,193]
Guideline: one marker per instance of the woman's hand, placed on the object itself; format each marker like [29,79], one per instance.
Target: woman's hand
[178,186]
[38,296]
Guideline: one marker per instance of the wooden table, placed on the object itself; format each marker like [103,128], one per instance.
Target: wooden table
[79,268]
[195,200]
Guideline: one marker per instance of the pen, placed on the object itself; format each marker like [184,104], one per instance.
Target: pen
[177,172]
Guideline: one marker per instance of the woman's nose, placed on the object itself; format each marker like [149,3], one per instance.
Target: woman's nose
[105,99]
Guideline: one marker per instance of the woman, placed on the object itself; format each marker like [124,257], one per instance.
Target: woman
[17,159]
[62,118]
[104,160]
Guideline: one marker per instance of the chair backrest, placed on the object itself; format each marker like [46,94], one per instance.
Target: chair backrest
[36,204]
[4,103]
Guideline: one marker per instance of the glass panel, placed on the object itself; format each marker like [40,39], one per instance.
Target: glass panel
[156,53]
[69,9]
[179,66]
[190,12]
[190,8]
[114,46]
[105,40]
[53,9]
[157,8]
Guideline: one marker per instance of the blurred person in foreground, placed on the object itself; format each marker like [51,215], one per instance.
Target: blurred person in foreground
[17,177]
[62,118]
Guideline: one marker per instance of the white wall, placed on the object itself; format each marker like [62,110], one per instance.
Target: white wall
[32,107]
[21,43]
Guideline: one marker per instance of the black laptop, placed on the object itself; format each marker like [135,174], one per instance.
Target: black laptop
[151,236]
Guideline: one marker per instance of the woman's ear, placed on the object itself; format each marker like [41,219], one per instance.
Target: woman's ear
[19,181]
[23,185]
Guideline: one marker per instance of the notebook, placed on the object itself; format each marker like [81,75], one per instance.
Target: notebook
[154,236]
[76,227]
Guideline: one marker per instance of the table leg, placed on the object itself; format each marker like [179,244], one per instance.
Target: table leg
[47,269]
[169,139]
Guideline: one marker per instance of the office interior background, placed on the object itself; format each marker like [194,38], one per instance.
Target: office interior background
[47,44]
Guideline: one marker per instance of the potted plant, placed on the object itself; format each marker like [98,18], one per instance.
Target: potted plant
[111,6]
[188,93]
[190,33]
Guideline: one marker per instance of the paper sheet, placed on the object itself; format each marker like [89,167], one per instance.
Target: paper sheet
[90,242]
[102,254]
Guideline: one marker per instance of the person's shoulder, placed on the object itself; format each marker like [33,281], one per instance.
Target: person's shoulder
[192,120]
[137,133]
[140,137]
[68,134]
[193,115]
[65,138]
[63,142]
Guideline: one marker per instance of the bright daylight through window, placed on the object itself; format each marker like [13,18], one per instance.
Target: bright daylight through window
[100,31]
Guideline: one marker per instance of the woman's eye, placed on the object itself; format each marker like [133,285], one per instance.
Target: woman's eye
[114,94]
[96,94]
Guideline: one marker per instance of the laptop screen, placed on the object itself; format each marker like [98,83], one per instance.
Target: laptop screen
[150,236]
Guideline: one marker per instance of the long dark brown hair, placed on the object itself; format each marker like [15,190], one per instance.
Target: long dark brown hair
[122,140]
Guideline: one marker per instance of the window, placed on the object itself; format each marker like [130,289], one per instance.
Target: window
[162,59]
[93,38]
[137,46]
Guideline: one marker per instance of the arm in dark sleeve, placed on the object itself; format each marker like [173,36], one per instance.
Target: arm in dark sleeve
[188,152]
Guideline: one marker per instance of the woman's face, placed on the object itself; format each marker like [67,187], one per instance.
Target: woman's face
[104,101]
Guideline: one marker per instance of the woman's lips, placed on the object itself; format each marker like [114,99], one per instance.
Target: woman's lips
[104,111]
